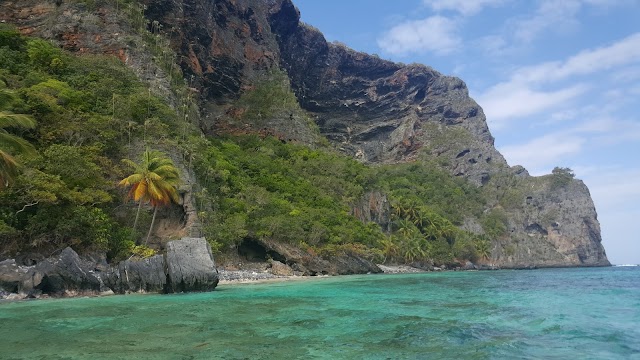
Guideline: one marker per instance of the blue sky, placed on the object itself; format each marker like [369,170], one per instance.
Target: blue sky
[559,81]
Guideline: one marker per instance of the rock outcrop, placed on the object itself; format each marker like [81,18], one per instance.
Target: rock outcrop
[556,225]
[68,273]
[64,274]
[18,279]
[146,275]
[187,267]
[304,263]
[190,266]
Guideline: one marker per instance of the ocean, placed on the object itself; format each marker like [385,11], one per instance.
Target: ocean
[589,313]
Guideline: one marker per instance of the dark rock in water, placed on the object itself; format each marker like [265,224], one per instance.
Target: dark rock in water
[66,272]
[190,266]
[59,275]
[488,267]
[147,275]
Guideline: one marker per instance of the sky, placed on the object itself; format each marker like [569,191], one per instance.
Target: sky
[559,82]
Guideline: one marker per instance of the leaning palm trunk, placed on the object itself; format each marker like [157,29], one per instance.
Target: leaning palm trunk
[153,220]
[135,222]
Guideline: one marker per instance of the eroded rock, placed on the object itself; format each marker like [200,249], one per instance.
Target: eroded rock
[146,275]
[190,266]
[67,272]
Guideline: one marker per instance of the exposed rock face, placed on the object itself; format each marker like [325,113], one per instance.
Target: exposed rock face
[343,263]
[557,226]
[374,207]
[18,279]
[60,275]
[280,269]
[227,48]
[147,275]
[187,266]
[66,272]
[190,266]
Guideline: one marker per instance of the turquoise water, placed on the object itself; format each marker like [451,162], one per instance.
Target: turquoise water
[541,314]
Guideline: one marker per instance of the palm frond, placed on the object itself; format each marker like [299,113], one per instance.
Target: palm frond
[8,119]
[15,143]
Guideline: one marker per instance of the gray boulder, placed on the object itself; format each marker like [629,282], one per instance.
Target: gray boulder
[18,279]
[146,275]
[280,269]
[67,273]
[190,266]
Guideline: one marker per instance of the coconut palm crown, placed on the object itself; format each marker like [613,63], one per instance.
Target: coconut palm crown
[11,145]
[154,180]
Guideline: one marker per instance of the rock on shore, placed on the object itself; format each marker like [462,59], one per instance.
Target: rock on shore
[187,266]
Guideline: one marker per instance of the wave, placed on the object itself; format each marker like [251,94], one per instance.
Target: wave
[626,265]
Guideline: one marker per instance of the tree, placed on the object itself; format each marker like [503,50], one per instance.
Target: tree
[483,248]
[11,145]
[154,180]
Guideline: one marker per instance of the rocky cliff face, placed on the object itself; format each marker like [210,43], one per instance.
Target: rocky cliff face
[556,225]
[374,110]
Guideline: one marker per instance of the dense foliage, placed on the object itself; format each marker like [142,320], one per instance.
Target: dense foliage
[91,112]
[88,111]
[268,189]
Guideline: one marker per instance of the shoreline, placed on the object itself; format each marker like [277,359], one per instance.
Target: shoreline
[242,277]
[236,277]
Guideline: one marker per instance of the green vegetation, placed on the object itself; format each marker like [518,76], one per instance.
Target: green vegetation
[154,180]
[89,112]
[561,177]
[11,144]
[264,188]
[82,114]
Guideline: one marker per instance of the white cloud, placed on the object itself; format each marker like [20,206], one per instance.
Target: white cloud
[548,17]
[613,187]
[629,74]
[464,7]
[508,101]
[541,154]
[524,93]
[435,34]
[551,14]
[620,53]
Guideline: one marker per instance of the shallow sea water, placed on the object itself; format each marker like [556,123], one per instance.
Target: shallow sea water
[539,314]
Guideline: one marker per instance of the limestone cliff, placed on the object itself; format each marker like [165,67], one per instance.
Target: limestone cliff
[372,109]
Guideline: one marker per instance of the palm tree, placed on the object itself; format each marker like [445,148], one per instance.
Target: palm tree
[483,248]
[389,248]
[154,180]
[11,145]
